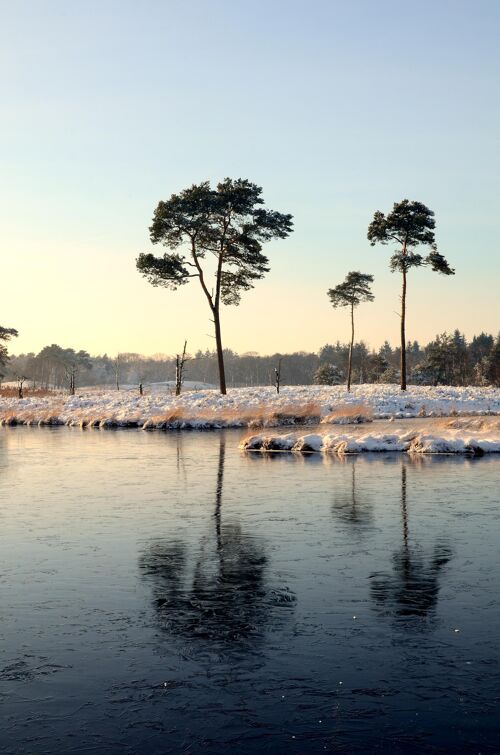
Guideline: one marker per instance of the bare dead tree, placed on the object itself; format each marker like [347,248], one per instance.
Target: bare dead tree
[180,361]
[277,376]
[21,379]
[116,364]
[71,371]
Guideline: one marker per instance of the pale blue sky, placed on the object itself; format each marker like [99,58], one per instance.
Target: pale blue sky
[335,108]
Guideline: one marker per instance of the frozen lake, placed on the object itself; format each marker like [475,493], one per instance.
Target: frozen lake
[166,593]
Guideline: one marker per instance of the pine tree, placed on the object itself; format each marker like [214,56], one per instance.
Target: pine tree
[410,224]
[350,293]
[493,362]
[5,335]
[328,374]
[228,224]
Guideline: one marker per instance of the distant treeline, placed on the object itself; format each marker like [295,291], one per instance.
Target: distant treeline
[449,359]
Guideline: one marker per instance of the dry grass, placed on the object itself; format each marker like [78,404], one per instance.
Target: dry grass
[170,419]
[260,416]
[484,424]
[27,392]
[349,414]
[51,416]
[289,414]
[30,417]
[9,418]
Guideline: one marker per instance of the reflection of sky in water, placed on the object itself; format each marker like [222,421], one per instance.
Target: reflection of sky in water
[167,588]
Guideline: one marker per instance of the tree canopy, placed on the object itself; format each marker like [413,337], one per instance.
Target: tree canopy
[5,335]
[228,222]
[410,224]
[354,290]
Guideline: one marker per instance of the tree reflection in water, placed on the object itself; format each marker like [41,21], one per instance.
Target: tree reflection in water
[413,587]
[351,505]
[221,595]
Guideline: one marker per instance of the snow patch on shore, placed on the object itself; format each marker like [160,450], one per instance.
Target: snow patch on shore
[249,407]
[449,441]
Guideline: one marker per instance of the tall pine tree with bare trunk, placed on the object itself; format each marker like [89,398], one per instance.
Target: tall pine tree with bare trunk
[350,293]
[409,225]
[227,226]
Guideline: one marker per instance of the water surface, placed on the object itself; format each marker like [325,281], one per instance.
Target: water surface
[166,593]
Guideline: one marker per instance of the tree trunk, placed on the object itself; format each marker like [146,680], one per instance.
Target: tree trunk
[220,355]
[178,379]
[277,372]
[403,334]
[349,369]
[214,304]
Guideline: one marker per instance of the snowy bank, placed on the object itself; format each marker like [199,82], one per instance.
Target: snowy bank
[248,407]
[454,437]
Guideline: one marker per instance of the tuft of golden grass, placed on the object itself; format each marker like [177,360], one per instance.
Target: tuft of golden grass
[159,421]
[9,418]
[31,417]
[259,416]
[50,417]
[469,423]
[288,414]
[349,414]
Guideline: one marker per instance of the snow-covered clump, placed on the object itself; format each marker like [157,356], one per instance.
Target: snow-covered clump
[451,440]
[477,446]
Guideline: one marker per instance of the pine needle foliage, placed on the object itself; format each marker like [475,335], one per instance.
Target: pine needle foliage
[5,335]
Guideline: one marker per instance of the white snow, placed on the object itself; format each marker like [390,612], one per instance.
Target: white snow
[250,407]
[454,437]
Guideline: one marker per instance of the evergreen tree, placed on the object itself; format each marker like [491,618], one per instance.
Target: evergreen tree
[228,224]
[327,353]
[439,362]
[350,293]
[493,363]
[5,335]
[480,347]
[376,365]
[328,374]
[410,224]
[460,360]
[385,351]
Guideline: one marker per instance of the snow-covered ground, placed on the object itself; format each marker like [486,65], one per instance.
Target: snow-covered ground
[475,436]
[248,407]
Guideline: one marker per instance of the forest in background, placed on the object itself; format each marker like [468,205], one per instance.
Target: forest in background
[447,360]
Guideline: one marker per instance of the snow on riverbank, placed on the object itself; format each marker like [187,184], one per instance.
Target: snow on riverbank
[453,437]
[248,407]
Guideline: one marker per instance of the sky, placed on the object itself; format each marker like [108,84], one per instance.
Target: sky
[336,109]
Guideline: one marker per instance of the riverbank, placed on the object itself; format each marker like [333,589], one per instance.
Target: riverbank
[474,436]
[248,407]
